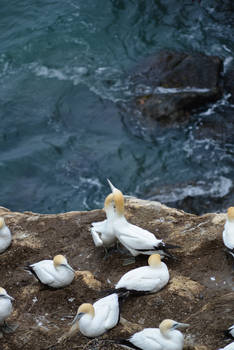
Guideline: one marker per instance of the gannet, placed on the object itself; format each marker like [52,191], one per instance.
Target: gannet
[5,310]
[55,273]
[94,320]
[166,337]
[230,332]
[134,238]
[228,347]
[5,235]
[102,232]
[148,279]
[228,233]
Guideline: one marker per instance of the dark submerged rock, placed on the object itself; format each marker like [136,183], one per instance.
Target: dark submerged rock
[176,84]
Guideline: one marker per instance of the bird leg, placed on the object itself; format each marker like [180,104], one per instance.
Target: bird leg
[122,250]
[108,252]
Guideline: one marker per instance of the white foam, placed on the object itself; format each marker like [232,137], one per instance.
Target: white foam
[90,181]
[73,74]
[226,63]
[222,102]
[217,188]
[162,90]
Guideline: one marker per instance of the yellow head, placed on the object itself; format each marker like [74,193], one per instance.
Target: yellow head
[109,199]
[86,309]
[166,325]
[170,325]
[2,222]
[119,202]
[154,260]
[59,260]
[230,214]
[2,291]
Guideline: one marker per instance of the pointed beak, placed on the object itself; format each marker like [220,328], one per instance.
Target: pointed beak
[9,297]
[113,188]
[77,317]
[70,268]
[182,325]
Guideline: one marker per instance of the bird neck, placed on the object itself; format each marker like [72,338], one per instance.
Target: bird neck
[59,267]
[110,212]
[173,334]
[156,266]
[166,333]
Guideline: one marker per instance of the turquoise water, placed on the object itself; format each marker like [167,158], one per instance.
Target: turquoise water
[64,70]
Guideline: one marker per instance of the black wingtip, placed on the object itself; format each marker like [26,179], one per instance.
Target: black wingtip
[123,293]
[29,268]
[127,343]
[228,334]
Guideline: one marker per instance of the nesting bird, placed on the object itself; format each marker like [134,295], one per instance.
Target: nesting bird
[5,310]
[5,235]
[134,238]
[94,320]
[102,232]
[145,279]
[228,233]
[166,337]
[56,273]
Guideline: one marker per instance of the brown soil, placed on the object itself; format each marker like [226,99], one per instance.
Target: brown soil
[191,296]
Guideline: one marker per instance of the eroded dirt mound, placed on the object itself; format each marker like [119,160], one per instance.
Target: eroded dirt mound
[200,291]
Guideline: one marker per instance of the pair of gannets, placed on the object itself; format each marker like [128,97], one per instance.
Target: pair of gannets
[145,279]
[94,320]
[56,273]
[5,310]
[135,239]
[166,337]
[228,233]
[5,235]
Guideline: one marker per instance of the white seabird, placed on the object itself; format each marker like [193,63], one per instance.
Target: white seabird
[5,310]
[94,320]
[166,337]
[5,235]
[145,279]
[134,238]
[228,233]
[228,347]
[102,232]
[54,273]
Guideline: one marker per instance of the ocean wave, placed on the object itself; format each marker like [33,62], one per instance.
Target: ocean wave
[217,188]
[221,102]
[74,74]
